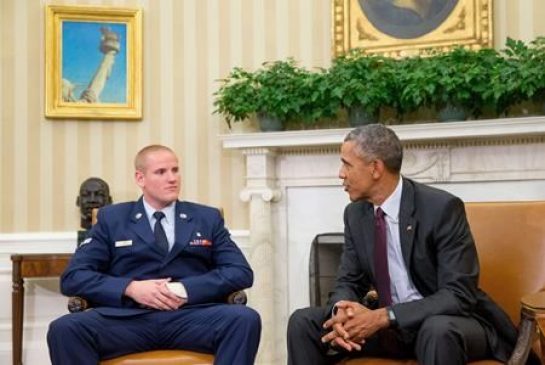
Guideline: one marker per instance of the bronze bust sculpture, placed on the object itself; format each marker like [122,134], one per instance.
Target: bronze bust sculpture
[93,193]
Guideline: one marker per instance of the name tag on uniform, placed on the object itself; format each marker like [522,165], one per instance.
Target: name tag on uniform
[123,243]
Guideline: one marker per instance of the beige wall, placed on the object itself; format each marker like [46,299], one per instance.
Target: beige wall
[188,44]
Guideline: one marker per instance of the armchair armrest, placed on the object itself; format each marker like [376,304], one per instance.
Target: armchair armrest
[79,304]
[532,311]
[238,297]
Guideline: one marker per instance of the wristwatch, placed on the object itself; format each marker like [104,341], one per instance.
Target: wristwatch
[391,317]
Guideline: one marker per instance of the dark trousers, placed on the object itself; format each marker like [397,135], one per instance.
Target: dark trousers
[229,331]
[440,339]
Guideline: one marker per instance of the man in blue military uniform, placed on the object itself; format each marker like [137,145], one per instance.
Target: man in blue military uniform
[157,272]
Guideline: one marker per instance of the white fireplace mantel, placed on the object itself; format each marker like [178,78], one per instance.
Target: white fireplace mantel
[294,193]
[428,132]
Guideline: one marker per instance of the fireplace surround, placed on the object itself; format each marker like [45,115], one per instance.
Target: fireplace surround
[325,256]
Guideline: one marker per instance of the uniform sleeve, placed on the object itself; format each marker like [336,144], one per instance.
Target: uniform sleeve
[230,272]
[86,274]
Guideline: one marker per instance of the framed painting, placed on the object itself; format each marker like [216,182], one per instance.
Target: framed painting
[93,62]
[399,28]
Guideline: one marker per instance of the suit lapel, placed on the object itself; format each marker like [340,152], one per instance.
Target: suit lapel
[140,224]
[183,229]
[368,234]
[407,222]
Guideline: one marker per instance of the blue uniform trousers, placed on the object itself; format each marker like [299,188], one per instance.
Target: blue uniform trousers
[229,331]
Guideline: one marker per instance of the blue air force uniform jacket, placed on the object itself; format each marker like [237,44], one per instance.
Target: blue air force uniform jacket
[121,247]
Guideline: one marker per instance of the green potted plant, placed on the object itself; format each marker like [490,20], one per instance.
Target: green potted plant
[484,62]
[235,99]
[466,80]
[454,83]
[276,93]
[521,77]
[532,68]
[281,92]
[505,87]
[413,85]
[316,100]
[535,72]
[460,79]
[362,84]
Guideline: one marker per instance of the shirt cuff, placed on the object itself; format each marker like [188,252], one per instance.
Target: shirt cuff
[178,289]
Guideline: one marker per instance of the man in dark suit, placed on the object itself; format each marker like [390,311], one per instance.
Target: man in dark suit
[429,303]
[157,272]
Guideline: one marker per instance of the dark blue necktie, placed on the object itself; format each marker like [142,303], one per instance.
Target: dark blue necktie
[382,276]
[159,232]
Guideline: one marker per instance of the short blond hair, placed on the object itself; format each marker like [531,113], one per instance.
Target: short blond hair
[140,159]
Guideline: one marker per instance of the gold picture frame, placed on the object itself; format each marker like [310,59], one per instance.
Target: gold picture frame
[400,28]
[93,62]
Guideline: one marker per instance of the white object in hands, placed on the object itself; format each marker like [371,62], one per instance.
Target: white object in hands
[178,289]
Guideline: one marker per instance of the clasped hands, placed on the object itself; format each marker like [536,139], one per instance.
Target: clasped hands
[155,294]
[352,324]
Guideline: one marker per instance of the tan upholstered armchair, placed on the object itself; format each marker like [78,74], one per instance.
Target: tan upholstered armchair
[510,239]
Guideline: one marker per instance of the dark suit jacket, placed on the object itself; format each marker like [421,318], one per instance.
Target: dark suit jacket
[441,259]
[121,248]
